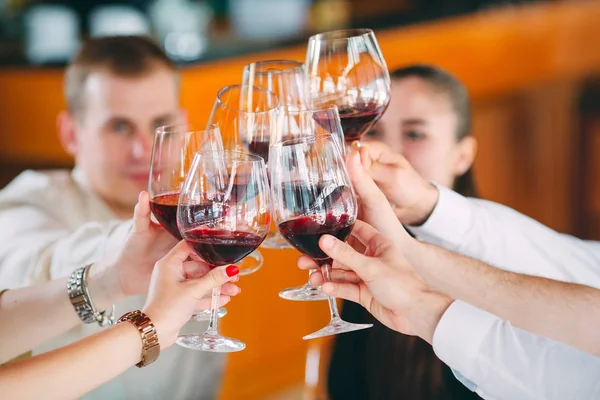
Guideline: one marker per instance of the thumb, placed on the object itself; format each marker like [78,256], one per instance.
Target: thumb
[375,206]
[141,213]
[214,278]
[343,253]
[177,255]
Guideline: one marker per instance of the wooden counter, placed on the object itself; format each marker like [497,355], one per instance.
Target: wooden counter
[523,67]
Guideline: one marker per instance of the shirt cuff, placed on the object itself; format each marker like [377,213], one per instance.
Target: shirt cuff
[459,336]
[448,223]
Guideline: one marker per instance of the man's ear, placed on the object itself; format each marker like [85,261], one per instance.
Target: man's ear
[67,132]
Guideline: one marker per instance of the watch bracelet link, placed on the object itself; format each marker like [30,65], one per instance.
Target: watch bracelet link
[81,300]
[147,330]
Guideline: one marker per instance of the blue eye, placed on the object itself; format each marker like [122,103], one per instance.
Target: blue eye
[121,127]
[414,135]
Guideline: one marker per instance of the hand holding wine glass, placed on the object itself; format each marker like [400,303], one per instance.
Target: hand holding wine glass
[223,214]
[172,154]
[312,196]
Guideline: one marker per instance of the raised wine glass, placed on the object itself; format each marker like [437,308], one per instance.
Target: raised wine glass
[312,196]
[223,213]
[287,80]
[243,114]
[172,154]
[307,123]
[346,68]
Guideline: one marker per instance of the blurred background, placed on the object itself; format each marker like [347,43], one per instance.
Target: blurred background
[47,32]
[532,69]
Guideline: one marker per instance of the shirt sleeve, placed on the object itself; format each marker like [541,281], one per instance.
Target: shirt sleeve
[502,237]
[499,361]
[36,248]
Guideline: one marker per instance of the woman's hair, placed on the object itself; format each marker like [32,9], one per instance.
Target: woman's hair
[445,83]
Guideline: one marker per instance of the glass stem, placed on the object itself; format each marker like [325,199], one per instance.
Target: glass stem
[214,312]
[333,308]
[310,271]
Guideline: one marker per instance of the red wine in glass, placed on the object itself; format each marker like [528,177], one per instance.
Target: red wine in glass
[259,148]
[357,120]
[219,247]
[164,208]
[304,233]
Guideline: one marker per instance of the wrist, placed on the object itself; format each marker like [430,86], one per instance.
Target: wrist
[429,308]
[421,210]
[166,334]
[104,285]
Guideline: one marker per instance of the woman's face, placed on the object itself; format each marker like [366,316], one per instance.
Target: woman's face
[421,124]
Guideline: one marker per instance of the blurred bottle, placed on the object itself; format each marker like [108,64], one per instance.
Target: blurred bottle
[268,19]
[112,20]
[327,15]
[182,26]
[51,34]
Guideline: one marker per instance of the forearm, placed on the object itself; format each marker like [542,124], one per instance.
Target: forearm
[505,238]
[71,371]
[504,362]
[32,315]
[565,312]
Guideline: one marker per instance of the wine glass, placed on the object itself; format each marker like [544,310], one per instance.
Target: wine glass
[346,68]
[247,117]
[223,213]
[312,196]
[307,123]
[287,80]
[172,153]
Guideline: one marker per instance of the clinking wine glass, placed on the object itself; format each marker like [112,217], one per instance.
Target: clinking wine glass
[346,68]
[287,80]
[312,196]
[223,213]
[307,123]
[172,154]
[247,116]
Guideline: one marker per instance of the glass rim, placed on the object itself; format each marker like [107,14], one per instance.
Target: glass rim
[330,107]
[222,155]
[303,139]
[169,129]
[341,34]
[258,88]
[294,65]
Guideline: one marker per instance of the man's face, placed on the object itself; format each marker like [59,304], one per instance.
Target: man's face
[115,131]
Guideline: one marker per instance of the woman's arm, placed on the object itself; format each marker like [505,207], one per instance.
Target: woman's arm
[73,370]
[32,315]
[76,369]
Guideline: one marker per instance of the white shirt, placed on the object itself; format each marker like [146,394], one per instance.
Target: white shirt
[498,360]
[51,224]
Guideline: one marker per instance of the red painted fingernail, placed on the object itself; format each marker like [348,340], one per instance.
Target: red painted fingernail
[232,270]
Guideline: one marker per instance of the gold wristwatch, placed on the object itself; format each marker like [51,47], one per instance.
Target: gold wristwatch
[150,345]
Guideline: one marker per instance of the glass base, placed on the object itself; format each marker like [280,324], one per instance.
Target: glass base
[251,263]
[204,315]
[303,293]
[274,240]
[213,343]
[335,327]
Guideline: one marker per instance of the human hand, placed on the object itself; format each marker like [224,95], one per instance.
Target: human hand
[382,281]
[413,198]
[177,288]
